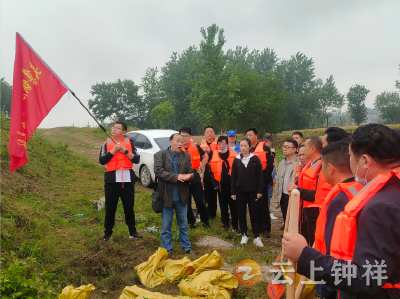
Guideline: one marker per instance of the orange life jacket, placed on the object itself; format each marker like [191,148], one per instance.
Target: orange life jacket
[345,231]
[323,189]
[308,180]
[213,146]
[259,151]
[119,160]
[216,163]
[194,154]
[350,189]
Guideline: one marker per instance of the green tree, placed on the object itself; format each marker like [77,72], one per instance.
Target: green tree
[176,85]
[356,101]
[262,62]
[213,98]
[161,114]
[118,101]
[398,82]
[265,100]
[388,103]
[151,95]
[6,95]
[299,75]
[329,98]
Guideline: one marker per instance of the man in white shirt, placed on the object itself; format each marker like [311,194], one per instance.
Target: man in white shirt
[119,179]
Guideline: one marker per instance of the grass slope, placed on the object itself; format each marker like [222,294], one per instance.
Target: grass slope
[39,216]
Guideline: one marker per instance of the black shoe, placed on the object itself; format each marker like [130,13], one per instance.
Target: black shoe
[207,226]
[192,225]
[237,231]
[226,228]
[135,235]
[267,234]
[189,251]
[106,239]
[282,227]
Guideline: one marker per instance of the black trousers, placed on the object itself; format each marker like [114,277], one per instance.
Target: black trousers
[196,190]
[284,203]
[210,196]
[311,216]
[226,203]
[114,191]
[242,200]
[303,224]
[264,218]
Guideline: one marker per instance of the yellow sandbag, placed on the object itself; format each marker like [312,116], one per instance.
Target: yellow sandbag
[151,273]
[175,270]
[308,289]
[135,292]
[79,293]
[211,284]
[205,263]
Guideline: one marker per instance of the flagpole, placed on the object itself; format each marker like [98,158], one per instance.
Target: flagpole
[105,131]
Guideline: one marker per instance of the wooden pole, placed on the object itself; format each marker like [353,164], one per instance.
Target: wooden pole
[105,131]
[293,229]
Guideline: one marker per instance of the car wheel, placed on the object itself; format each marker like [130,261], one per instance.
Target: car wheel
[145,176]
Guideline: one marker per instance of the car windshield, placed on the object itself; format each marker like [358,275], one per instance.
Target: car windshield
[162,142]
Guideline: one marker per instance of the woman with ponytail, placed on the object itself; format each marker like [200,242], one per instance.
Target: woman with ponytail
[246,189]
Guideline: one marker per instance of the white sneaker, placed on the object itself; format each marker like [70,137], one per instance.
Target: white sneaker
[257,242]
[245,239]
[273,216]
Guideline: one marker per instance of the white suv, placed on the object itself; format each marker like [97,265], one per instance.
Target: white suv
[147,143]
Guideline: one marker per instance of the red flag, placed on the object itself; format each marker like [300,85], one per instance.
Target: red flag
[36,89]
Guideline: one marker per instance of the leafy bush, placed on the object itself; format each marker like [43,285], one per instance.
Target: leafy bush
[21,279]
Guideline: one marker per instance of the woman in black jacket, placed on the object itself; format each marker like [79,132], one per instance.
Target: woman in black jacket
[247,188]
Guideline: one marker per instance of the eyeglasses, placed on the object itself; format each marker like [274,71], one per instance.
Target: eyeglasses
[185,136]
[114,128]
[286,147]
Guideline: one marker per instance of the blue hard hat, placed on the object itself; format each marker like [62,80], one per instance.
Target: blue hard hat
[231,133]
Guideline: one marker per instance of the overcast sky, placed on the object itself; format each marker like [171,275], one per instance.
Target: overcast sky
[90,41]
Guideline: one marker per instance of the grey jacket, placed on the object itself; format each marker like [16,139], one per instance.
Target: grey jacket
[280,176]
[167,175]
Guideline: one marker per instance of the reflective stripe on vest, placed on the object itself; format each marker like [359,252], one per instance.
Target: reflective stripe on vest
[345,231]
[350,189]
[213,146]
[194,154]
[259,151]
[119,160]
[308,179]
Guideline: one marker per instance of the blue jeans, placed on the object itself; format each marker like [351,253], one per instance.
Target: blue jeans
[270,193]
[181,218]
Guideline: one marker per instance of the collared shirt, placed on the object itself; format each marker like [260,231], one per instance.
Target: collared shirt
[236,148]
[286,178]
[175,191]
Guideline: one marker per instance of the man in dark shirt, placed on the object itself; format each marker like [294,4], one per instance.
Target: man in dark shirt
[223,185]
[119,179]
[375,259]
[263,210]
[199,161]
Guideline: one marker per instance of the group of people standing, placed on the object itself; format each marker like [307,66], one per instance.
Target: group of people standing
[237,174]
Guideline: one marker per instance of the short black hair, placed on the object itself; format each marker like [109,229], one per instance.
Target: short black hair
[186,130]
[379,141]
[172,136]
[209,127]
[335,134]
[337,153]
[298,133]
[124,127]
[316,142]
[301,145]
[291,140]
[267,137]
[252,129]
[222,138]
